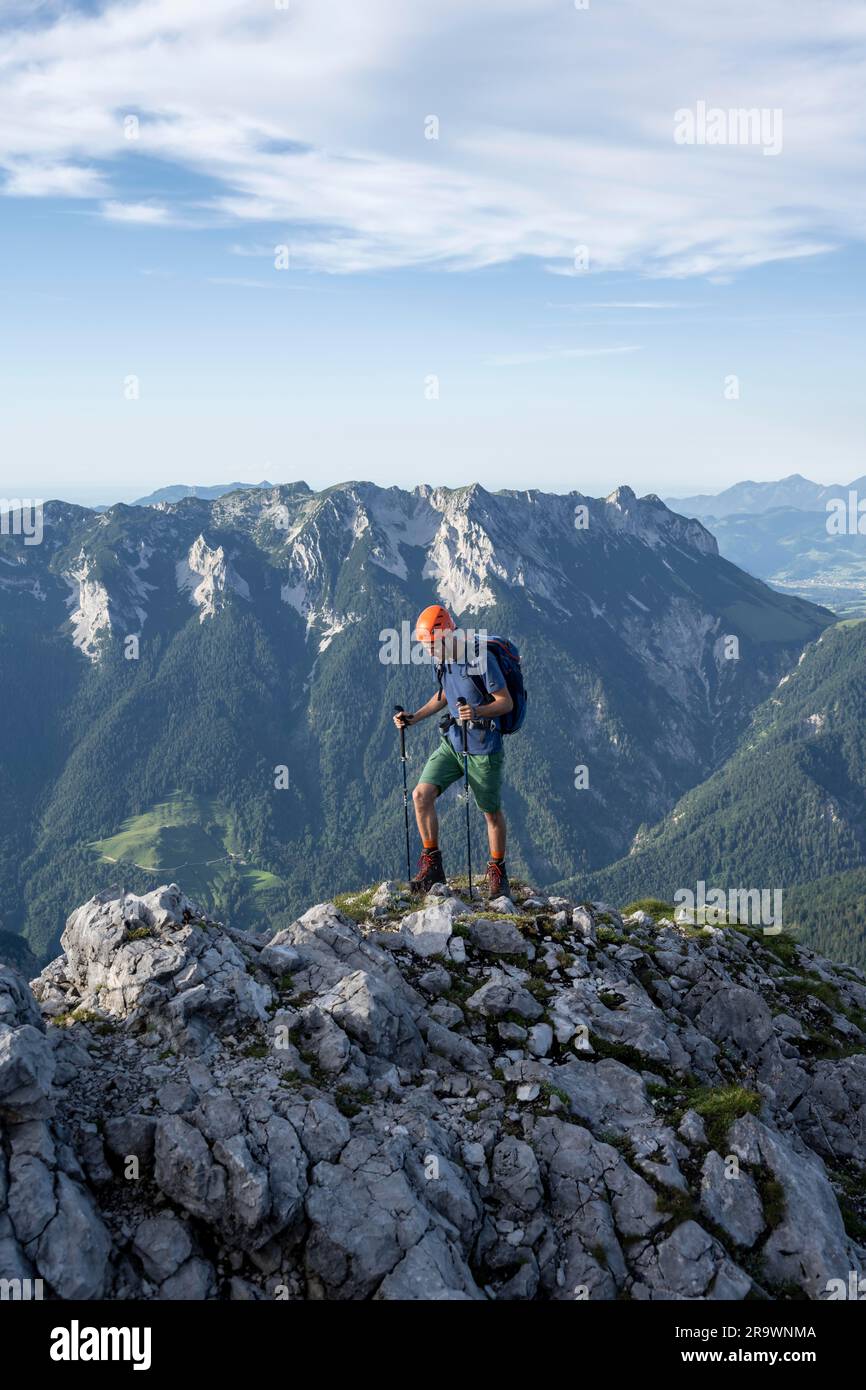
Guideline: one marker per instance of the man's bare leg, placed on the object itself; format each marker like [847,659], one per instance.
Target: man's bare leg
[496,833]
[424,799]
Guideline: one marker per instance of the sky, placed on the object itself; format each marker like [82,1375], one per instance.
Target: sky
[439,242]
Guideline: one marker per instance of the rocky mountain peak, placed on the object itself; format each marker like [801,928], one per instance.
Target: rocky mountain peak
[439,1100]
[621,497]
[208,577]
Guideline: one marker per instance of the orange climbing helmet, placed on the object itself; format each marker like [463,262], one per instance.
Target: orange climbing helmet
[434,620]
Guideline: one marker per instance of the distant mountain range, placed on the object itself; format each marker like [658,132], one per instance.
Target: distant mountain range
[197,688]
[178,491]
[778,532]
[793,491]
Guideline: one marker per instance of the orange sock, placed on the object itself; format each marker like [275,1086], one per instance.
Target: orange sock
[431,844]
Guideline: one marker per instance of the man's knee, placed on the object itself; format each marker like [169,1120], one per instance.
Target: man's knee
[424,795]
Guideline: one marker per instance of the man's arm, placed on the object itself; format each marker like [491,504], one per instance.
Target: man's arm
[432,707]
[500,702]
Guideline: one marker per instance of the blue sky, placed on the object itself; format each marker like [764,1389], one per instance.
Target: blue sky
[412,259]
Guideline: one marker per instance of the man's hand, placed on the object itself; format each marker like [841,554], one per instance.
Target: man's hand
[465,712]
[403,719]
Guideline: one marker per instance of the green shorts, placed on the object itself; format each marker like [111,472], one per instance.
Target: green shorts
[445,766]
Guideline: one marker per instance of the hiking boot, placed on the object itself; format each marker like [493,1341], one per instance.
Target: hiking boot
[429,871]
[497,880]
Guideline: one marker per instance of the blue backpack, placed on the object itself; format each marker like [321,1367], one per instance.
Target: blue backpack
[508,657]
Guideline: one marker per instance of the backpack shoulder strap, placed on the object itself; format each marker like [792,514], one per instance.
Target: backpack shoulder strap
[478,681]
[481,688]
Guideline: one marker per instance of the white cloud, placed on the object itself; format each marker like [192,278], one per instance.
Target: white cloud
[555,126]
[35,180]
[147,214]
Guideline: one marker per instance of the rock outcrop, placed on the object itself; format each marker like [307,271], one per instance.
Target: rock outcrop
[207,576]
[436,1100]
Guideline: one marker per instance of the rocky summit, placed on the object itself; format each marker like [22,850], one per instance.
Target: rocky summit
[434,1100]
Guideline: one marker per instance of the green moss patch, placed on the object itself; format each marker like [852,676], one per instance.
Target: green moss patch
[719,1106]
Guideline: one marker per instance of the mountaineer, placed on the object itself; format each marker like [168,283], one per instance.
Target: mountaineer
[483,690]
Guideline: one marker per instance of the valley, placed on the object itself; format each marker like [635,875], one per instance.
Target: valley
[188,838]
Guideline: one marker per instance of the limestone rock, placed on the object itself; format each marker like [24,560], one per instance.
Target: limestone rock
[429,931]
[440,1107]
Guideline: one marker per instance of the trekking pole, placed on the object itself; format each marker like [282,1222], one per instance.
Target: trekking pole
[398,709]
[464,729]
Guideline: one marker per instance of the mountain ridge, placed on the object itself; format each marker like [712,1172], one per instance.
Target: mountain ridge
[201,646]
